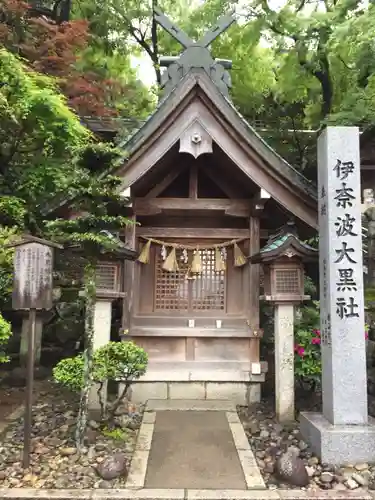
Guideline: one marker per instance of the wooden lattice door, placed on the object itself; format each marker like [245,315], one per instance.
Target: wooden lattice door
[191,293]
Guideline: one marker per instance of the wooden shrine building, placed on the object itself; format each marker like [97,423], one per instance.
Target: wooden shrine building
[206,193]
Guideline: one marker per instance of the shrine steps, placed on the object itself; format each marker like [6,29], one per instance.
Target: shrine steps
[198,380]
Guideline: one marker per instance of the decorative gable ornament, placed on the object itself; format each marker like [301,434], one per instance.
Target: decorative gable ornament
[194,55]
[195,140]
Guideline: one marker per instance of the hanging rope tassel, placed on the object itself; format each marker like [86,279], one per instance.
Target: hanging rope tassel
[219,261]
[239,258]
[144,256]
[196,265]
[170,263]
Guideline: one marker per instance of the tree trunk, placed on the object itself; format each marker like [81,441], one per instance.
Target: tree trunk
[90,299]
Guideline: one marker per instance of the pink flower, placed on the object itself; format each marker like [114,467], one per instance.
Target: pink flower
[366,335]
[299,350]
[316,332]
[315,340]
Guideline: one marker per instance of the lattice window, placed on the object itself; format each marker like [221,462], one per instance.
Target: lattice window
[183,291]
[287,281]
[107,276]
[208,287]
[171,288]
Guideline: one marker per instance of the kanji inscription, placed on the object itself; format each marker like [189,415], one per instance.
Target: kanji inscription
[340,243]
[32,285]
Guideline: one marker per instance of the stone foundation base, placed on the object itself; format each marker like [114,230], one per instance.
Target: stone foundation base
[339,444]
[241,393]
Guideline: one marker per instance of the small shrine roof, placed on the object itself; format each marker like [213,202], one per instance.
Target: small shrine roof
[285,243]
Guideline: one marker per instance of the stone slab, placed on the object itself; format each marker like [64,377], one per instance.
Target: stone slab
[322,495]
[240,439]
[232,417]
[193,449]
[149,417]
[187,390]
[235,391]
[143,493]
[339,444]
[231,495]
[180,494]
[192,405]
[253,476]
[144,438]
[138,468]
[141,391]
[25,493]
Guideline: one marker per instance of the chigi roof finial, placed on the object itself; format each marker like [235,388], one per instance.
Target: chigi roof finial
[195,54]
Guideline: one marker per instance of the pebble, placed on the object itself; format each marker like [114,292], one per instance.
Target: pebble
[67,452]
[361,467]
[310,471]
[340,487]
[274,438]
[326,477]
[360,479]
[55,461]
[351,484]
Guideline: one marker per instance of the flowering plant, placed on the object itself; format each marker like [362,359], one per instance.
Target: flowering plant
[307,353]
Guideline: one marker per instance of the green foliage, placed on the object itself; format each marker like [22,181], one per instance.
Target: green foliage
[116,434]
[69,373]
[6,264]
[121,362]
[40,138]
[5,333]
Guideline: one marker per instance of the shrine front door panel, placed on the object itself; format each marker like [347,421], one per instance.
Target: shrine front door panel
[183,293]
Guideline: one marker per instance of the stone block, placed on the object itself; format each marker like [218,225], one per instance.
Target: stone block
[232,495]
[253,477]
[138,468]
[188,390]
[240,439]
[339,444]
[144,438]
[254,393]
[233,391]
[140,392]
[190,405]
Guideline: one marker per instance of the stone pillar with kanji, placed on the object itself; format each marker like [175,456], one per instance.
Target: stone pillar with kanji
[343,432]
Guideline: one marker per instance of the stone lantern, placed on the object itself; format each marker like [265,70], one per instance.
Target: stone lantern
[282,259]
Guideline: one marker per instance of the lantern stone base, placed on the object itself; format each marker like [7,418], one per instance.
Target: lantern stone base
[339,444]
[102,335]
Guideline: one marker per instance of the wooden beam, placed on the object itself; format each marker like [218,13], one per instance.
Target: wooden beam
[193,182]
[259,200]
[238,208]
[199,233]
[167,181]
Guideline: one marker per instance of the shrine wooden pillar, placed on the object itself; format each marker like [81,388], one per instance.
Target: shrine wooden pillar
[253,288]
[129,272]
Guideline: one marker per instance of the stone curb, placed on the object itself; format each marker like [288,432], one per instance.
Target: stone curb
[179,494]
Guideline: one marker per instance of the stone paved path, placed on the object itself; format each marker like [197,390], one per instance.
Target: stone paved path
[193,449]
[193,445]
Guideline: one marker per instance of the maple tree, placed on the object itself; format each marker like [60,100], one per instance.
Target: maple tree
[59,50]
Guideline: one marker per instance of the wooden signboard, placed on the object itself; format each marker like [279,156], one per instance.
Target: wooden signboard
[32,285]
[32,291]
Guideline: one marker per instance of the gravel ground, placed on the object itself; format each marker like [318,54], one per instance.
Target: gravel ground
[55,462]
[269,440]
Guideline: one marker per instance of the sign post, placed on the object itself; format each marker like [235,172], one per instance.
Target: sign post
[32,291]
[343,433]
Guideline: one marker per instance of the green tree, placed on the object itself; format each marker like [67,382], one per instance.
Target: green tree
[97,202]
